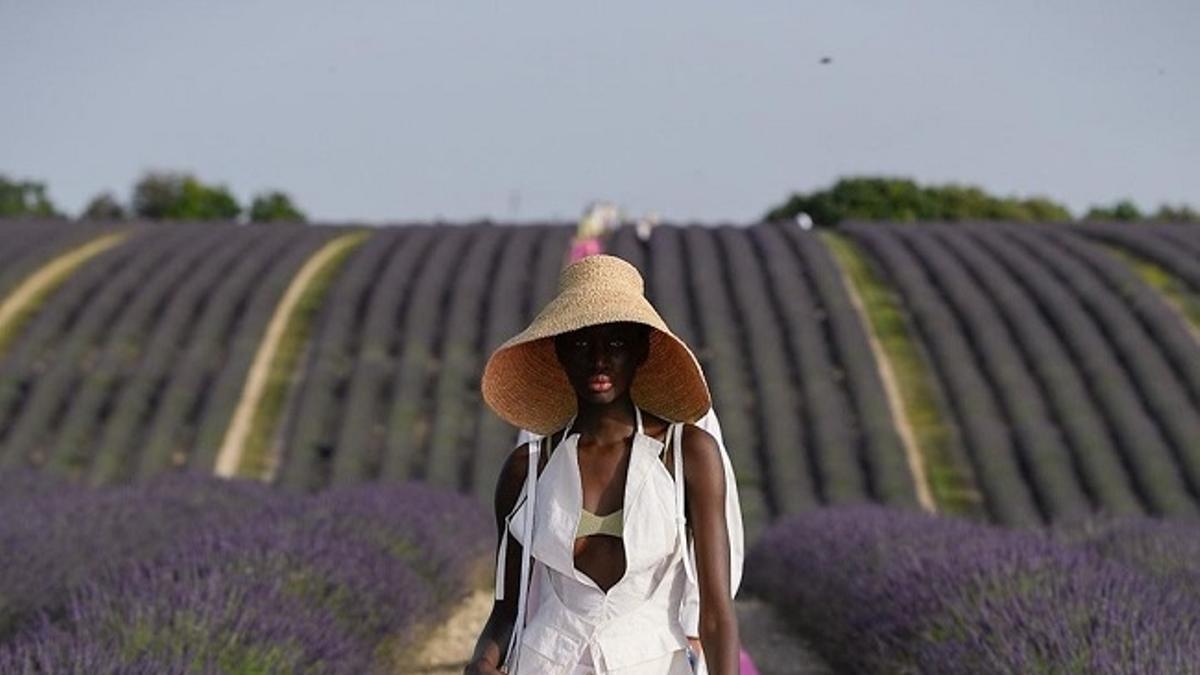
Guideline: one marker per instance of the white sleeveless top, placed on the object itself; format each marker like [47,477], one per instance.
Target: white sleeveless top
[634,628]
[690,611]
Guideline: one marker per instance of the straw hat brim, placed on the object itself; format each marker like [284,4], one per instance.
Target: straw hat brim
[524,383]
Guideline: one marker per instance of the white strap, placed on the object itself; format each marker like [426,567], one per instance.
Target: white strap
[514,640]
[502,556]
[680,510]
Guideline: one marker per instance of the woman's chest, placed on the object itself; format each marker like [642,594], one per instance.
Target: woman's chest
[647,498]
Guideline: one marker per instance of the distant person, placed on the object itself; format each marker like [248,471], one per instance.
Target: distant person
[645,226]
[598,220]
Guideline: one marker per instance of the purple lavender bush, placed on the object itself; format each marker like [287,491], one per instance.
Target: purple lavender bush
[206,575]
[889,591]
[442,536]
[55,534]
[1166,549]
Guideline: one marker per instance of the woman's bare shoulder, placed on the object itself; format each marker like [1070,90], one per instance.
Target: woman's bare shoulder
[517,460]
[655,426]
[511,478]
[700,446]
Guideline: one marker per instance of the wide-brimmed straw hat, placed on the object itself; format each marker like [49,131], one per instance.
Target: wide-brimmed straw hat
[527,386]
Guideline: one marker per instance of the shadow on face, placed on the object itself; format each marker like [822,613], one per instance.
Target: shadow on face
[601,360]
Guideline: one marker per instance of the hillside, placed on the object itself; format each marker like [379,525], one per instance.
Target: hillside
[1051,371]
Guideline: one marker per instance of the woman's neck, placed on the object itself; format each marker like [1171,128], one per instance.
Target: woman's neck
[606,423]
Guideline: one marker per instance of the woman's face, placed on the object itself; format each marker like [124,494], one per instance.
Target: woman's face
[600,360]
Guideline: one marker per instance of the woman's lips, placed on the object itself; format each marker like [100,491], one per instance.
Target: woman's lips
[599,383]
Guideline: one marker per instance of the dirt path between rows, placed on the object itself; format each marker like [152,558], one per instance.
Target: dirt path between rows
[772,645]
[891,388]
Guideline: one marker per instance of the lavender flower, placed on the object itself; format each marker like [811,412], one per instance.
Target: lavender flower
[885,591]
[196,574]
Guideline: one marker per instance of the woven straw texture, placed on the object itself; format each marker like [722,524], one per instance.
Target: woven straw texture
[525,385]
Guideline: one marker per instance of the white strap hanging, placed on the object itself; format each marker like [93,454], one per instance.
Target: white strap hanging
[530,502]
[680,510]
[514,641]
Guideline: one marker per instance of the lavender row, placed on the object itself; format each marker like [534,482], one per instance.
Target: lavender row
[194,574]
[336,338]
[1154,338]
[120,353]
[128,409]
[408,417]
[357,450]
[145,348]
[776,407]
[1144,451]
[1159,243]
[1095,455]
[890,479]
[395,397]
[29,244]
[34,416]
[879,590]
[454,392]
[1048,465]
[505,317]
[28,356]
[969,397]
[722,352]
[239,345]
[166,437]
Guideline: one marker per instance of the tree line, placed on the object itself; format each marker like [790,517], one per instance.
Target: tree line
[883,198]
[173,195]
[157,195]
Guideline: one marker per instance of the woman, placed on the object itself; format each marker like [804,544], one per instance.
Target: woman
[615,487]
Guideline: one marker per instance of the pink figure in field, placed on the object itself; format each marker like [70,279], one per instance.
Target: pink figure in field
[599,219]
[582,249]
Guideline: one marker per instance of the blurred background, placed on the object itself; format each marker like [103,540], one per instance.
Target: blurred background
[940,263]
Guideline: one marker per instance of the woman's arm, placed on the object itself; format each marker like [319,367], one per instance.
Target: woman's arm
[493,639]
[704,480]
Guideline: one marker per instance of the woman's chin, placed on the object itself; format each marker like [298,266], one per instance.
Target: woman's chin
[600,397]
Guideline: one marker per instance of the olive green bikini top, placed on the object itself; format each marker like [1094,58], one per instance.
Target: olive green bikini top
[590,523]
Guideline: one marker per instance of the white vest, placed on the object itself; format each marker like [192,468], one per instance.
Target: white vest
[638,620]
[690,610]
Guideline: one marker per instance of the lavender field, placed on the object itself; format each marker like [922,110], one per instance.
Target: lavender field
[880,590]
[1066,385]
[1062,365]
[194,574]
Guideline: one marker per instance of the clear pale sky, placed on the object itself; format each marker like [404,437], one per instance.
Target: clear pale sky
[709,111]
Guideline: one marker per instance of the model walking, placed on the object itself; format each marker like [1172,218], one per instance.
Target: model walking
[621,484]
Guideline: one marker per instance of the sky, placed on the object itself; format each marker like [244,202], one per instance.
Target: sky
[406,110]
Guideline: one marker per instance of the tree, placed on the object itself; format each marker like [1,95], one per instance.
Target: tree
[25,199]
[161,195]
[274,206]
[1043,209]
[1183,214]
[901,199]
[103,206]
[1123,211]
